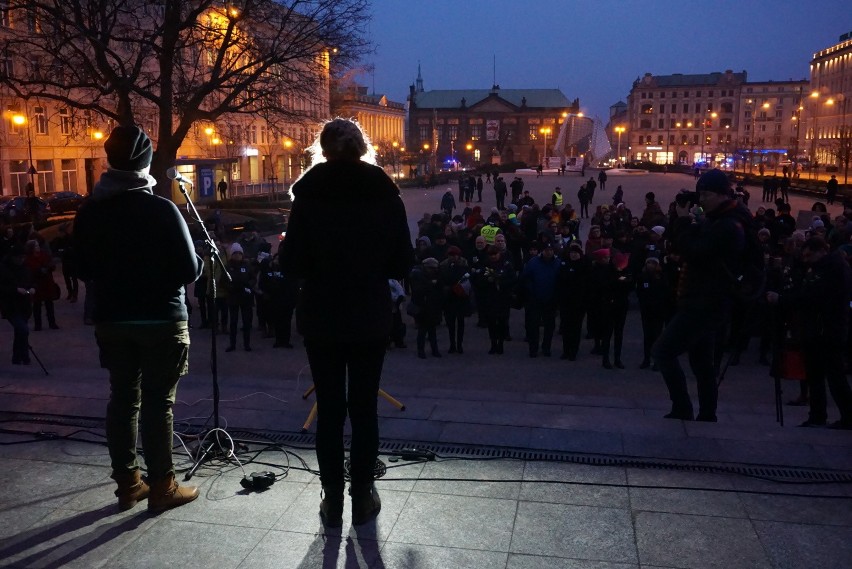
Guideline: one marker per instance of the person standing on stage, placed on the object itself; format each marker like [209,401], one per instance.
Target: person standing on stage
[136,254]
[345,310]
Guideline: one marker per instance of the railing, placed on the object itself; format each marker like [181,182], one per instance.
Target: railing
[258,188]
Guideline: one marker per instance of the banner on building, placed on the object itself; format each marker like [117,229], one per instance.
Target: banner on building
[492,129]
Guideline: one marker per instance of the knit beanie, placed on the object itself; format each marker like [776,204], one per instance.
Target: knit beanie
[129,149]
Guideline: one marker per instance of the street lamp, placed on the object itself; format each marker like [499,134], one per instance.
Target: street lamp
[20,120]
[619,130]
[545,130]
[704,134]
[753,133]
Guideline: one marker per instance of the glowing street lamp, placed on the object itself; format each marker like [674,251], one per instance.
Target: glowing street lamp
[620,130]
[545,130]
[21,120]
[704,134]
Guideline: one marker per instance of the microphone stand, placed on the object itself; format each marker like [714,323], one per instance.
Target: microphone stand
[213,447]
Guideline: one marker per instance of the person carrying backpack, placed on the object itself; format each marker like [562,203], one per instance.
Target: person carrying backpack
[711,240]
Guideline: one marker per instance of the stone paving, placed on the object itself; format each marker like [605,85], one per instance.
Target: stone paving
[605,508]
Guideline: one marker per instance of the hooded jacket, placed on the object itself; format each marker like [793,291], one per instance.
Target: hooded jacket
[346,264]
[135,250]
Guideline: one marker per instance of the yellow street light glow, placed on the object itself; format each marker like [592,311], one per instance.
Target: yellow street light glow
[395,144]
[216,141]
[565,115]
[580,115]
[469,146]
[765,105]
[815,94]
[19,119]
[97,135]
[544,130]
[288,143]
[621,129]
[425,146]
[829,102]
[208,131]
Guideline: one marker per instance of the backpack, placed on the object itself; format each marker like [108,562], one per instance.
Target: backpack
[750,283]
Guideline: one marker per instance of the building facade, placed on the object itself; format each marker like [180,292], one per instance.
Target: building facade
[471,127]
[717,119]
[828,106]
[54,146]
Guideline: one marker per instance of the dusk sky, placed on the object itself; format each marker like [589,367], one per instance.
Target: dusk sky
[593,50]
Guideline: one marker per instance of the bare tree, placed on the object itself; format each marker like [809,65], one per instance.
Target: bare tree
[183,61]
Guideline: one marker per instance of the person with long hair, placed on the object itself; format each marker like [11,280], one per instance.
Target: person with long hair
[345,309]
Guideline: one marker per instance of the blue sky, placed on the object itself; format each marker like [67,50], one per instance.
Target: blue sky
[593,50]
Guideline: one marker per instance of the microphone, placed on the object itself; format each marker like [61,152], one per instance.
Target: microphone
[173,174]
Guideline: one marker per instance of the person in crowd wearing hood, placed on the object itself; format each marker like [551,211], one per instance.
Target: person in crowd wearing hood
[539,277]
[16,293]
[711,249]
[135,250]
[345,312]
[454,274]
[427,296]
[823,299]
[448,202]
[41,265]
[280,291]
[241,289]
[573,296]
[495,279]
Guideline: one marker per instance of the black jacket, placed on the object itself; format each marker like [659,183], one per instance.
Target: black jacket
[135,250]
[346,259]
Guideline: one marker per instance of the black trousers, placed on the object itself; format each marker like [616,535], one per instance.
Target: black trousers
[454,316]
[572,329]
[346,377]
[536,316]
[652,326]
[235,311]
[825,364]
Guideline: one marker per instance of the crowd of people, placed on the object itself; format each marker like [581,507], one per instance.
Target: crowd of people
[530,257]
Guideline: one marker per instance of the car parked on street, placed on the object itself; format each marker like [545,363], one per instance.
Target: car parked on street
[63,202]
[22,209]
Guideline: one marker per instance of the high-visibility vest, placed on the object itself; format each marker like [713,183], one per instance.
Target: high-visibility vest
[557,198]
[489,232]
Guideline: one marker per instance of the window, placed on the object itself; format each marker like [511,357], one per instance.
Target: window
[663,95]
[698,93]
[727,107]
[686,107]
[236,173]
[674,94]
[697,107]
[660,140]
[644,95]
[671,139]
[64,122]
[662,109]
[694,139]
[645,123]
[778,114]
[454,131]
[264,137]
[725,123]
[424,133]
[647,109]
[69,175]
[39,120]
[710,93]
[686,94]
[252,134]
[18,176]
[533,132]
[44,176]
[475,131]
[661,123]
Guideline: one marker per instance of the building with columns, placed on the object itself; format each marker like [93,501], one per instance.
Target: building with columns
[471,127]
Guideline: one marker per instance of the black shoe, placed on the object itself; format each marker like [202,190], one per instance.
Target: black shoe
[366,505]
[607,365]
[452,350]
[421,355]
[331,509]
[811,423]
[706,418]
[842,425]
[618,364]
[459,349]
[645,364]
[681,416]
[230,348]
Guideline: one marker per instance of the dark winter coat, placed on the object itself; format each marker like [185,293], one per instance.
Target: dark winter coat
[135,250]
[346,263]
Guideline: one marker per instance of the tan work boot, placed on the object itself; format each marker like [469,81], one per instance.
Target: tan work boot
[131,489]
[166,494]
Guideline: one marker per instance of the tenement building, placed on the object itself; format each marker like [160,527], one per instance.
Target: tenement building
[828,105]
[470,127]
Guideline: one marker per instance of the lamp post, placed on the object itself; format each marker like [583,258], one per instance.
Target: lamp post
[545,130]
[619,130]
[753,133]
[704,134]
[20,120]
